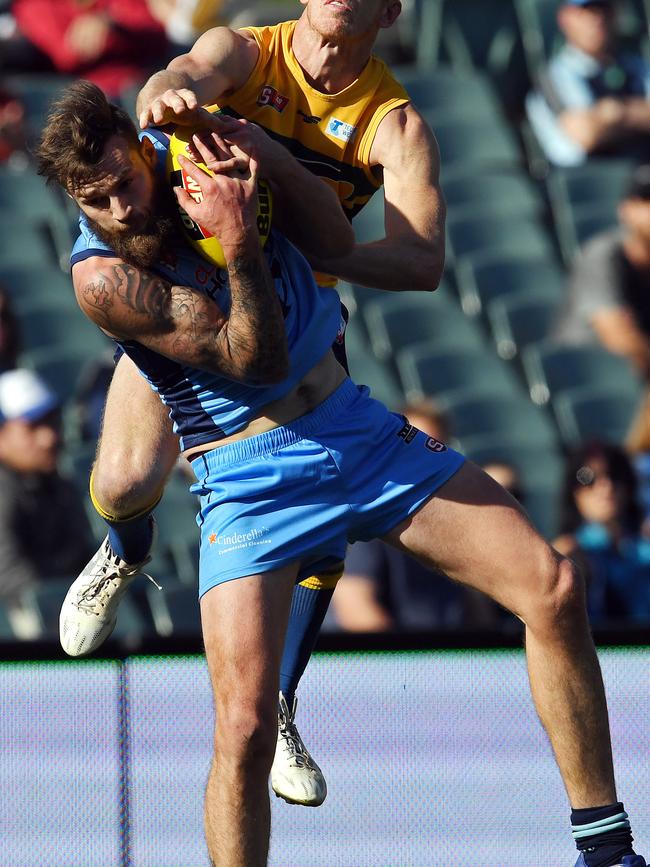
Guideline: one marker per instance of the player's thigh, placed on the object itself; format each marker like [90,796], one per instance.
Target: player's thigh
[477,533]
[137,435]
[244,623]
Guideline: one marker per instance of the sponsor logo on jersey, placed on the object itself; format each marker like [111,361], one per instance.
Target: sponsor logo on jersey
[340,130]
[435,445]
[235,541]
[269,96]
[309,118]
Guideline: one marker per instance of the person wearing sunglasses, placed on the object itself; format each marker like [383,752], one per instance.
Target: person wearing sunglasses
[601,528]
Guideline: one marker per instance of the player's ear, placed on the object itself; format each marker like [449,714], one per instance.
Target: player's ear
[390,14]
[148,151]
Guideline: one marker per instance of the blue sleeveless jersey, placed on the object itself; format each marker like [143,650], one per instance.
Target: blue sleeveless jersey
[204,406]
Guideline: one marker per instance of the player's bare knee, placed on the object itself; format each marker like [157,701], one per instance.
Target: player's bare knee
[245,735]
[123,489]
[560,600]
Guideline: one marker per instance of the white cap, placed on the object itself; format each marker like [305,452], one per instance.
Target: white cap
[23,394]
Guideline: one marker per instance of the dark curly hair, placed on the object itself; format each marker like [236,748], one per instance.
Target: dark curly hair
[79,125]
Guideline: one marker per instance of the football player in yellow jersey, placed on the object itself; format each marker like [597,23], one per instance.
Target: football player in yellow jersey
[328,105]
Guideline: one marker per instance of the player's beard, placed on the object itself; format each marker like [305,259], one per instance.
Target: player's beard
[144,246]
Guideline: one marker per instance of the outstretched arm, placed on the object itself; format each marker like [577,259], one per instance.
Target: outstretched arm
[220,60]
[412,254]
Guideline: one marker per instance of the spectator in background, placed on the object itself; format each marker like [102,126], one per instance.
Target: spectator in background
[591,99]
[10,340]
[13,134]
[44,532]
[186,20]
[637,445]
[114,43]
[383,589]
[600,525]
[608,298]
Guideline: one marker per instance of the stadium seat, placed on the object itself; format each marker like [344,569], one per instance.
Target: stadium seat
[491,193]
[452,93]
[60,366]
[20,239]
[487,40]
[520,319]
[499,415]
[366,369]
[37,287]
[369,223]
[397,321]
[475,144]
[594,412]
[485,276]
[175,610]
[355,297]
[426,370]
[539,32]
[584,200]
[24,196]
[63,327]
[506,235]
[551,368]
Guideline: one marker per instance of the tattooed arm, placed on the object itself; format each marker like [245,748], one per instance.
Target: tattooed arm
[181,323]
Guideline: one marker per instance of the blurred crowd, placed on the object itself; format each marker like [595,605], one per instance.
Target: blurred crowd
[585,101]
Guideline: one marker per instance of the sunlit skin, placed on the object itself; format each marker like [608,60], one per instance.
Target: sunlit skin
[119,199]
[333,40]
[589,28]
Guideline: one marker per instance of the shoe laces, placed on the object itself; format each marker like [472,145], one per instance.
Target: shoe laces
[290,735]
[93,594]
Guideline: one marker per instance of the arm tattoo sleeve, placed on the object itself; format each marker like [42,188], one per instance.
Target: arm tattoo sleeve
[256,328]
[139,291]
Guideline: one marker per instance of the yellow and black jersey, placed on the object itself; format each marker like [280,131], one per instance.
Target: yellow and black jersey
[330,134]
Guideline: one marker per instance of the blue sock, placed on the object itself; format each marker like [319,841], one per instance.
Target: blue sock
[602,834]
[131,540]
[308,609]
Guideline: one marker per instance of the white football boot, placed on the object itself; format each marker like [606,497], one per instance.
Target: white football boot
[295,776]
[89,610]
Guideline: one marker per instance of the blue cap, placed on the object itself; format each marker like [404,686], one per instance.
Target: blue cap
[589,2]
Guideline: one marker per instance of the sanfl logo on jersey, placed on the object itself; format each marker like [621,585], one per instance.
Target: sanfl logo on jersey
[341,130]
[270,96]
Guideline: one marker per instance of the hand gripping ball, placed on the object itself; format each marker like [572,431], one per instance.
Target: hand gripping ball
[198,236]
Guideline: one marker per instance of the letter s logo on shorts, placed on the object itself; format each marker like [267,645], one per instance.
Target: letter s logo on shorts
[435,445]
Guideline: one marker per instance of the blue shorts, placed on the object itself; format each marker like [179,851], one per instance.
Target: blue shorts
[350,470]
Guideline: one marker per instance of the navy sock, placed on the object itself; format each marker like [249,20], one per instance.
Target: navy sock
[308,609]
[602,834]
[131,540]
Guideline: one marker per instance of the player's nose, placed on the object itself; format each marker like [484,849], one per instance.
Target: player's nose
[121,210]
